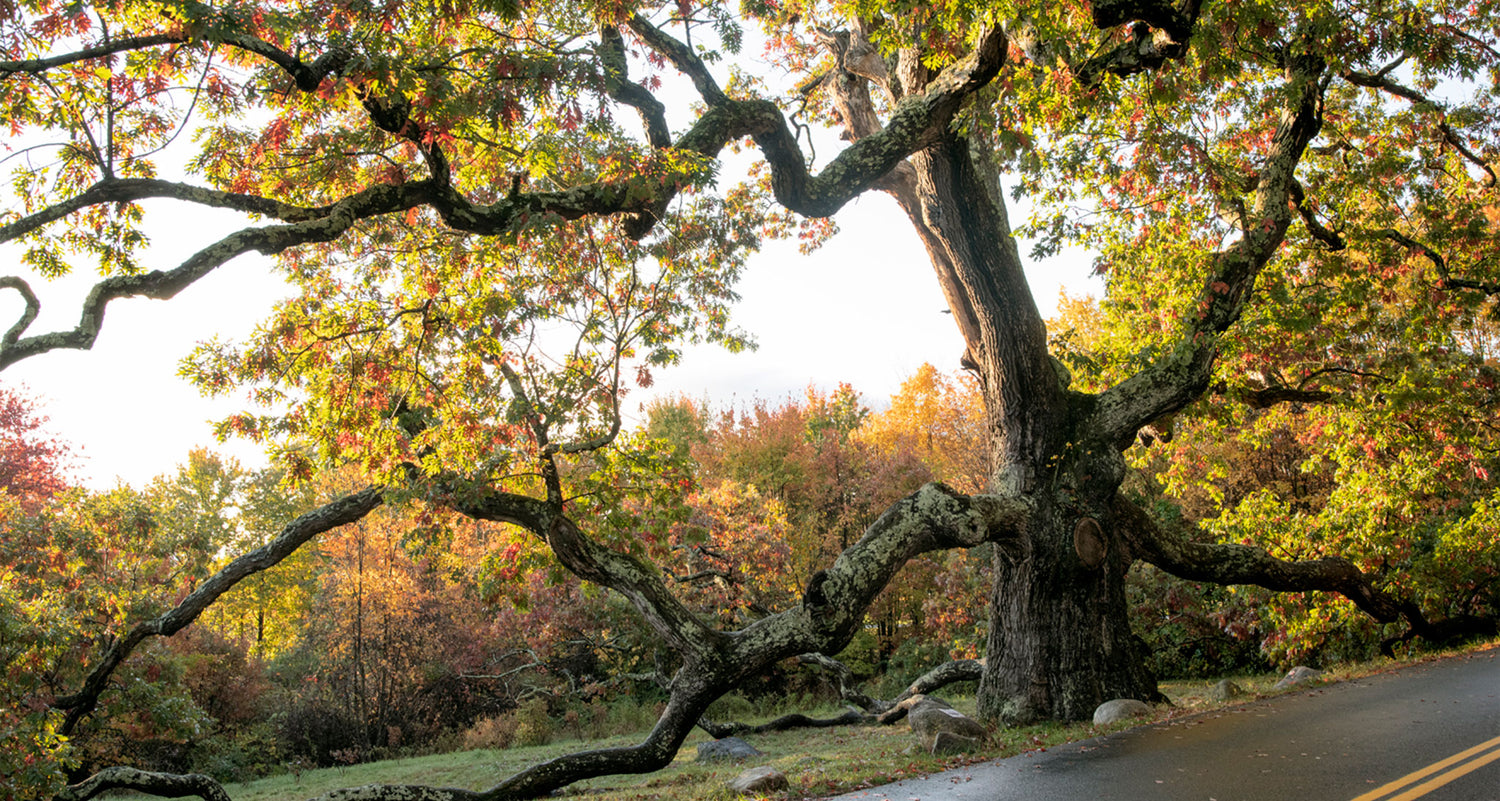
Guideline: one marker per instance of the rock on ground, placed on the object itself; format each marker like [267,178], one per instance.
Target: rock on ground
[946,742]
[928,719]
[941,729]
[726,748]
[1300,674]
[1120,709]
[764,779]
[1225,690]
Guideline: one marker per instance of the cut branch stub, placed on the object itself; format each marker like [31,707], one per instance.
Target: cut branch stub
[1088,542]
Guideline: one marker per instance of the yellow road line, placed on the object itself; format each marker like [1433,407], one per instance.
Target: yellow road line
[1442,779]
[1427,787]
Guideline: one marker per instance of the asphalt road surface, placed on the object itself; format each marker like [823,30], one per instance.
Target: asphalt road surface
[1429,731]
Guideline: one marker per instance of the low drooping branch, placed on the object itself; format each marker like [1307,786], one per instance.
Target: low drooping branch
[1227,563]
[162,285]
[1223,563]
[1441,632]
[162,785]
[930,519]
[329,516]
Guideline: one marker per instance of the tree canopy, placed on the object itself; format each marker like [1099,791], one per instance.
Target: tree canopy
[501,216]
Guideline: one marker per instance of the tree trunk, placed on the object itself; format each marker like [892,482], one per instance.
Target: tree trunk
[1060,641]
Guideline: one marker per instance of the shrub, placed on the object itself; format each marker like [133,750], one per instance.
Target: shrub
[495,732]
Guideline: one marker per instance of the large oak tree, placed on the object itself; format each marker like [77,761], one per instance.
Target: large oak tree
[503,214]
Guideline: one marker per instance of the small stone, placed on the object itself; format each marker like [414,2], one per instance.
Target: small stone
[1120,709]
[946,742]
[726,748]
[1300,674]
[764,779]
[1225,690]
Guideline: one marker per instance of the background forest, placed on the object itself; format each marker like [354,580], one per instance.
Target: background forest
[417,631]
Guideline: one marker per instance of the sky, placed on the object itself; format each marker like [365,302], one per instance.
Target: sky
[864,309]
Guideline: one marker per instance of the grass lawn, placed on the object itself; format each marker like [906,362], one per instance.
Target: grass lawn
[818,762]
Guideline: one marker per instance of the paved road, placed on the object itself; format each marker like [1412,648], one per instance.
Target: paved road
[1359,740]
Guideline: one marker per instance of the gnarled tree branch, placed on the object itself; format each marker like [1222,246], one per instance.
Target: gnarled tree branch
[917,121]
[932,518]
[162,785]
[125,190]
[161,285]
[1183,374]
[1223,563]
[329,516]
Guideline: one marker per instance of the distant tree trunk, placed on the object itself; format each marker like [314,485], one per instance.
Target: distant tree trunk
[360,705]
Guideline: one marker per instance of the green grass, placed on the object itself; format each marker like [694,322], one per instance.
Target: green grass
[818,762]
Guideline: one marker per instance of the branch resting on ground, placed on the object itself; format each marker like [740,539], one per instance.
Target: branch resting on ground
[875,710]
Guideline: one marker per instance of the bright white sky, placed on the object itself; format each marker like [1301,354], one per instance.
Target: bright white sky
[865,309]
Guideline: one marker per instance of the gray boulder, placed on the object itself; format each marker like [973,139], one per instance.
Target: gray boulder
[946,742]
[726,748]
[1300,674]
[1120,709]
[764,779]
[1225,690]
[934,716]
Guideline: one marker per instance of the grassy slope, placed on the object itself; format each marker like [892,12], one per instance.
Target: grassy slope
[818,762]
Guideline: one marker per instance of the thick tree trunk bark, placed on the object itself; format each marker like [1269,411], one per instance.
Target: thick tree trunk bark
[1060,641]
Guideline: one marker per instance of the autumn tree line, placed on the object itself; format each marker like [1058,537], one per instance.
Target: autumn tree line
[415,630]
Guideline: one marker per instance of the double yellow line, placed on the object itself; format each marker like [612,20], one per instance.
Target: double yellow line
[1452,767]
